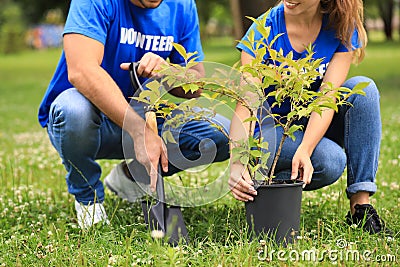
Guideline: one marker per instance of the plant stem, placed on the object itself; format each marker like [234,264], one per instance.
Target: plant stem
[277,155]
[260,135]
[278,152]
[252,174]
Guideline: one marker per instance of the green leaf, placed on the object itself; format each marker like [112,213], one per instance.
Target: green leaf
[265,157]
[256,153]
[192,63]
[263,145]
[273,54]
[250,119]
[359,87]
[153,85]
[181,50]
[255,168]
[330,105]
[292,130]
[244,159]
[190,87]
[146,94]
[192,57]
[275,38]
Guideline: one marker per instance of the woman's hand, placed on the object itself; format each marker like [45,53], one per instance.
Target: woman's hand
[302,168]
[240,183]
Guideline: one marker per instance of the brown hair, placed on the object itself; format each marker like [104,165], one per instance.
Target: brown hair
[345,16]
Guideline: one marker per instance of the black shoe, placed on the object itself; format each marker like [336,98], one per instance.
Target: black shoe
[365,216]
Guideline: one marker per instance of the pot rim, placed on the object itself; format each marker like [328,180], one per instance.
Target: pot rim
[260,183]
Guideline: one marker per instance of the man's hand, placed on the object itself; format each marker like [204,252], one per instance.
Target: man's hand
[151,63]
[149,148]
[148,65]
[240,183]
[150,151]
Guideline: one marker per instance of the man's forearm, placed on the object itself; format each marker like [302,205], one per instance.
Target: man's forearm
[96,85]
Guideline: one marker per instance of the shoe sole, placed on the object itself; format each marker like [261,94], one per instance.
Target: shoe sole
[118,193]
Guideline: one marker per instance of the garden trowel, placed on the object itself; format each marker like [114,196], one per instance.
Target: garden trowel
[158,216]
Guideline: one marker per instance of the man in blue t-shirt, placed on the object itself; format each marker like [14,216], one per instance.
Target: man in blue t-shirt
[86,105]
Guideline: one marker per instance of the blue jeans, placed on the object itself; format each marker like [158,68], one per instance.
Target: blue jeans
[353,139]
[82,134]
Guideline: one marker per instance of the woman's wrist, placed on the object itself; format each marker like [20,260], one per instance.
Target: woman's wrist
[306,148]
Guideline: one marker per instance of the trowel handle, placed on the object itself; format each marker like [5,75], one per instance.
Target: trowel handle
[134,76]
[151,121]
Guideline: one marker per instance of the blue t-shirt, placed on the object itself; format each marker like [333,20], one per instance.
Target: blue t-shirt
[127,33]
[325,46]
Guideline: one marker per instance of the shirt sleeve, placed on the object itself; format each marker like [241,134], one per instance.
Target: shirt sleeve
[190,38]
[355,43]
[89,18]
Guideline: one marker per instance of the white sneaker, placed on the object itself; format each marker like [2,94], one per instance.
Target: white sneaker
[125,187]
[88,215]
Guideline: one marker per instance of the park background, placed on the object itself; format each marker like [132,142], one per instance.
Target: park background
[37,217]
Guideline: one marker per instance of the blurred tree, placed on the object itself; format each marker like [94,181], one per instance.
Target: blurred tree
[386,9]
[386,12]
[35,11]
[205,8]
[371,9]
[242,8]
[216,10]
[12,27]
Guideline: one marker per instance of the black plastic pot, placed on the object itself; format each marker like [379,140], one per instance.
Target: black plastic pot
[275,211]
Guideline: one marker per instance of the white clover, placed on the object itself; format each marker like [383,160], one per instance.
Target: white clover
[157,234]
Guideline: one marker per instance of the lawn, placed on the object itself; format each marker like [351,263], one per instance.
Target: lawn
[38,226]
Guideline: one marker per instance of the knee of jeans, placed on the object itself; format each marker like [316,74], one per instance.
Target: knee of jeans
[222,152]
[371,90]
[217,144]
[330,165]
[216,141]
[73,109]
[223,122]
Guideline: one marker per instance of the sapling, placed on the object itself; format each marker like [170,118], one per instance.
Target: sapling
[292,80]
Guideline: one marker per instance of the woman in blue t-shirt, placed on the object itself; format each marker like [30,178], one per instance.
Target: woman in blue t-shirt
[335,30]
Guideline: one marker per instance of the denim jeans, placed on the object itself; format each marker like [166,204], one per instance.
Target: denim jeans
[353,139]
[82,134]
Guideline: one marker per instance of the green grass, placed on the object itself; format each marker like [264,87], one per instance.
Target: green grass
[37,216]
